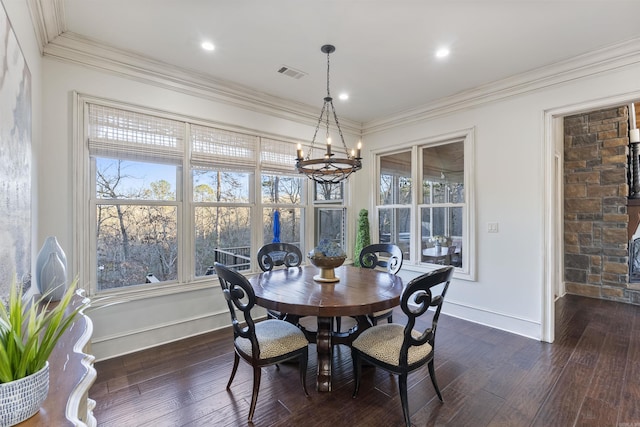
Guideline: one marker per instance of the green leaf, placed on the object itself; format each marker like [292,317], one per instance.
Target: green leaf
[30,330]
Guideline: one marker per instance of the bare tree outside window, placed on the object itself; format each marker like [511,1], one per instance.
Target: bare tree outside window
[285,194]
[222,219]
[136,233]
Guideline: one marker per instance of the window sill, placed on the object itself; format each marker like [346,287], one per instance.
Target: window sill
[139,292]
[458,273]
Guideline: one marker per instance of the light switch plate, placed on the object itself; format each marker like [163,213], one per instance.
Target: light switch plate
[492,227]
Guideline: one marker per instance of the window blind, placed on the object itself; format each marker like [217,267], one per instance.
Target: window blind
[130,135]
[277,156]
[220,149]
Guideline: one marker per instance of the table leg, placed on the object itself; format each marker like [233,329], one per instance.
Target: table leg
[325,353]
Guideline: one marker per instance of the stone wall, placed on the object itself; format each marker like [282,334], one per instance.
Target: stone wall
[595,205]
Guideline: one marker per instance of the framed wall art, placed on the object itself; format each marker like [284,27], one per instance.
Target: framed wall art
[15,160]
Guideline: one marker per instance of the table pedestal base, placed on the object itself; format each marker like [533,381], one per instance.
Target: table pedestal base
[326,339]
[325,353]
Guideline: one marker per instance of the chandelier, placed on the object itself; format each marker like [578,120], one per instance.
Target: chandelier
[329,167]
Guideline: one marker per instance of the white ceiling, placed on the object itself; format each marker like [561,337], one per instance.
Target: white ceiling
[385,49]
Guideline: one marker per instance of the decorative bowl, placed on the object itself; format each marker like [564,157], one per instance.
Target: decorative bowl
[326,264]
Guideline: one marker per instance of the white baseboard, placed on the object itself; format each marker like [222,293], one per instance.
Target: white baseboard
[107,347]
[516,325]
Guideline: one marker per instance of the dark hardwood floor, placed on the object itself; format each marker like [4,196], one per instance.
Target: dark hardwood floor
[590,376]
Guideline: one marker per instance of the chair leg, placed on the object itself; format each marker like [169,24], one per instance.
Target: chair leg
[404,399]
[432,374]
[338,323]
[357,371]
[257,371]
[304,358]
[236,361]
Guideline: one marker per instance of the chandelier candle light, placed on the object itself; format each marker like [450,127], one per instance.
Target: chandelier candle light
[328,168]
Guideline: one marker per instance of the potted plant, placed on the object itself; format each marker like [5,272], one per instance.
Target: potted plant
[362,236]
[29,331]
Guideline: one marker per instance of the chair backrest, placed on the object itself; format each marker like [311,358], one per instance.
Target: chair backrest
[451,250]
[239,295]
[370,257]
[418,292]
[276,254]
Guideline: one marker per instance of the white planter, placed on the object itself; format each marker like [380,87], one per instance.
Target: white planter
[21,399]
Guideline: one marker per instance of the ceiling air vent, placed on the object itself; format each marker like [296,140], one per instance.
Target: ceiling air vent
[291,72]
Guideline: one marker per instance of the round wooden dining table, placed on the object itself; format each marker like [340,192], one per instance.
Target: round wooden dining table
[359,292]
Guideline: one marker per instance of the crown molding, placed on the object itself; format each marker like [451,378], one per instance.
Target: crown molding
[596,62]
[48,20]
[74,48]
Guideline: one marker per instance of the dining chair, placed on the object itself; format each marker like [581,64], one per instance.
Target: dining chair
[451,250]
[456,258]
[260,344]
[279,254]
[274,255]
[386,256]
[401,349]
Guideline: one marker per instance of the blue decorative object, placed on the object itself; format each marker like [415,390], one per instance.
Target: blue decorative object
[276,226]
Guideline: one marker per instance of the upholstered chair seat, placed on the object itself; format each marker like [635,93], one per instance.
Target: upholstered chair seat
[385,341]
[275,338]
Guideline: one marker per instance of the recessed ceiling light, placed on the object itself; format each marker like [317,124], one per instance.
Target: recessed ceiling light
[343,96]
[207,46]
[442,52]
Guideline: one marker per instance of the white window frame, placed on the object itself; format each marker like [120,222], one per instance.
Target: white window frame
[468,269]
[84,191]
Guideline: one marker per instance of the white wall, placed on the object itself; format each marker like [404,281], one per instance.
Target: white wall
[510,163]
[20,18]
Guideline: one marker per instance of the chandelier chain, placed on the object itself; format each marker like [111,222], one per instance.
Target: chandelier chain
[328,67]
[328,169]
[329,99]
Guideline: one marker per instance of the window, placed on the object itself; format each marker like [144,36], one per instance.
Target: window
[330,223]
[430,221]
[222,219]
[330,213]
[136,223]
[442,204]
[394,198]
[283,192]
[223,165]
[168,197]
